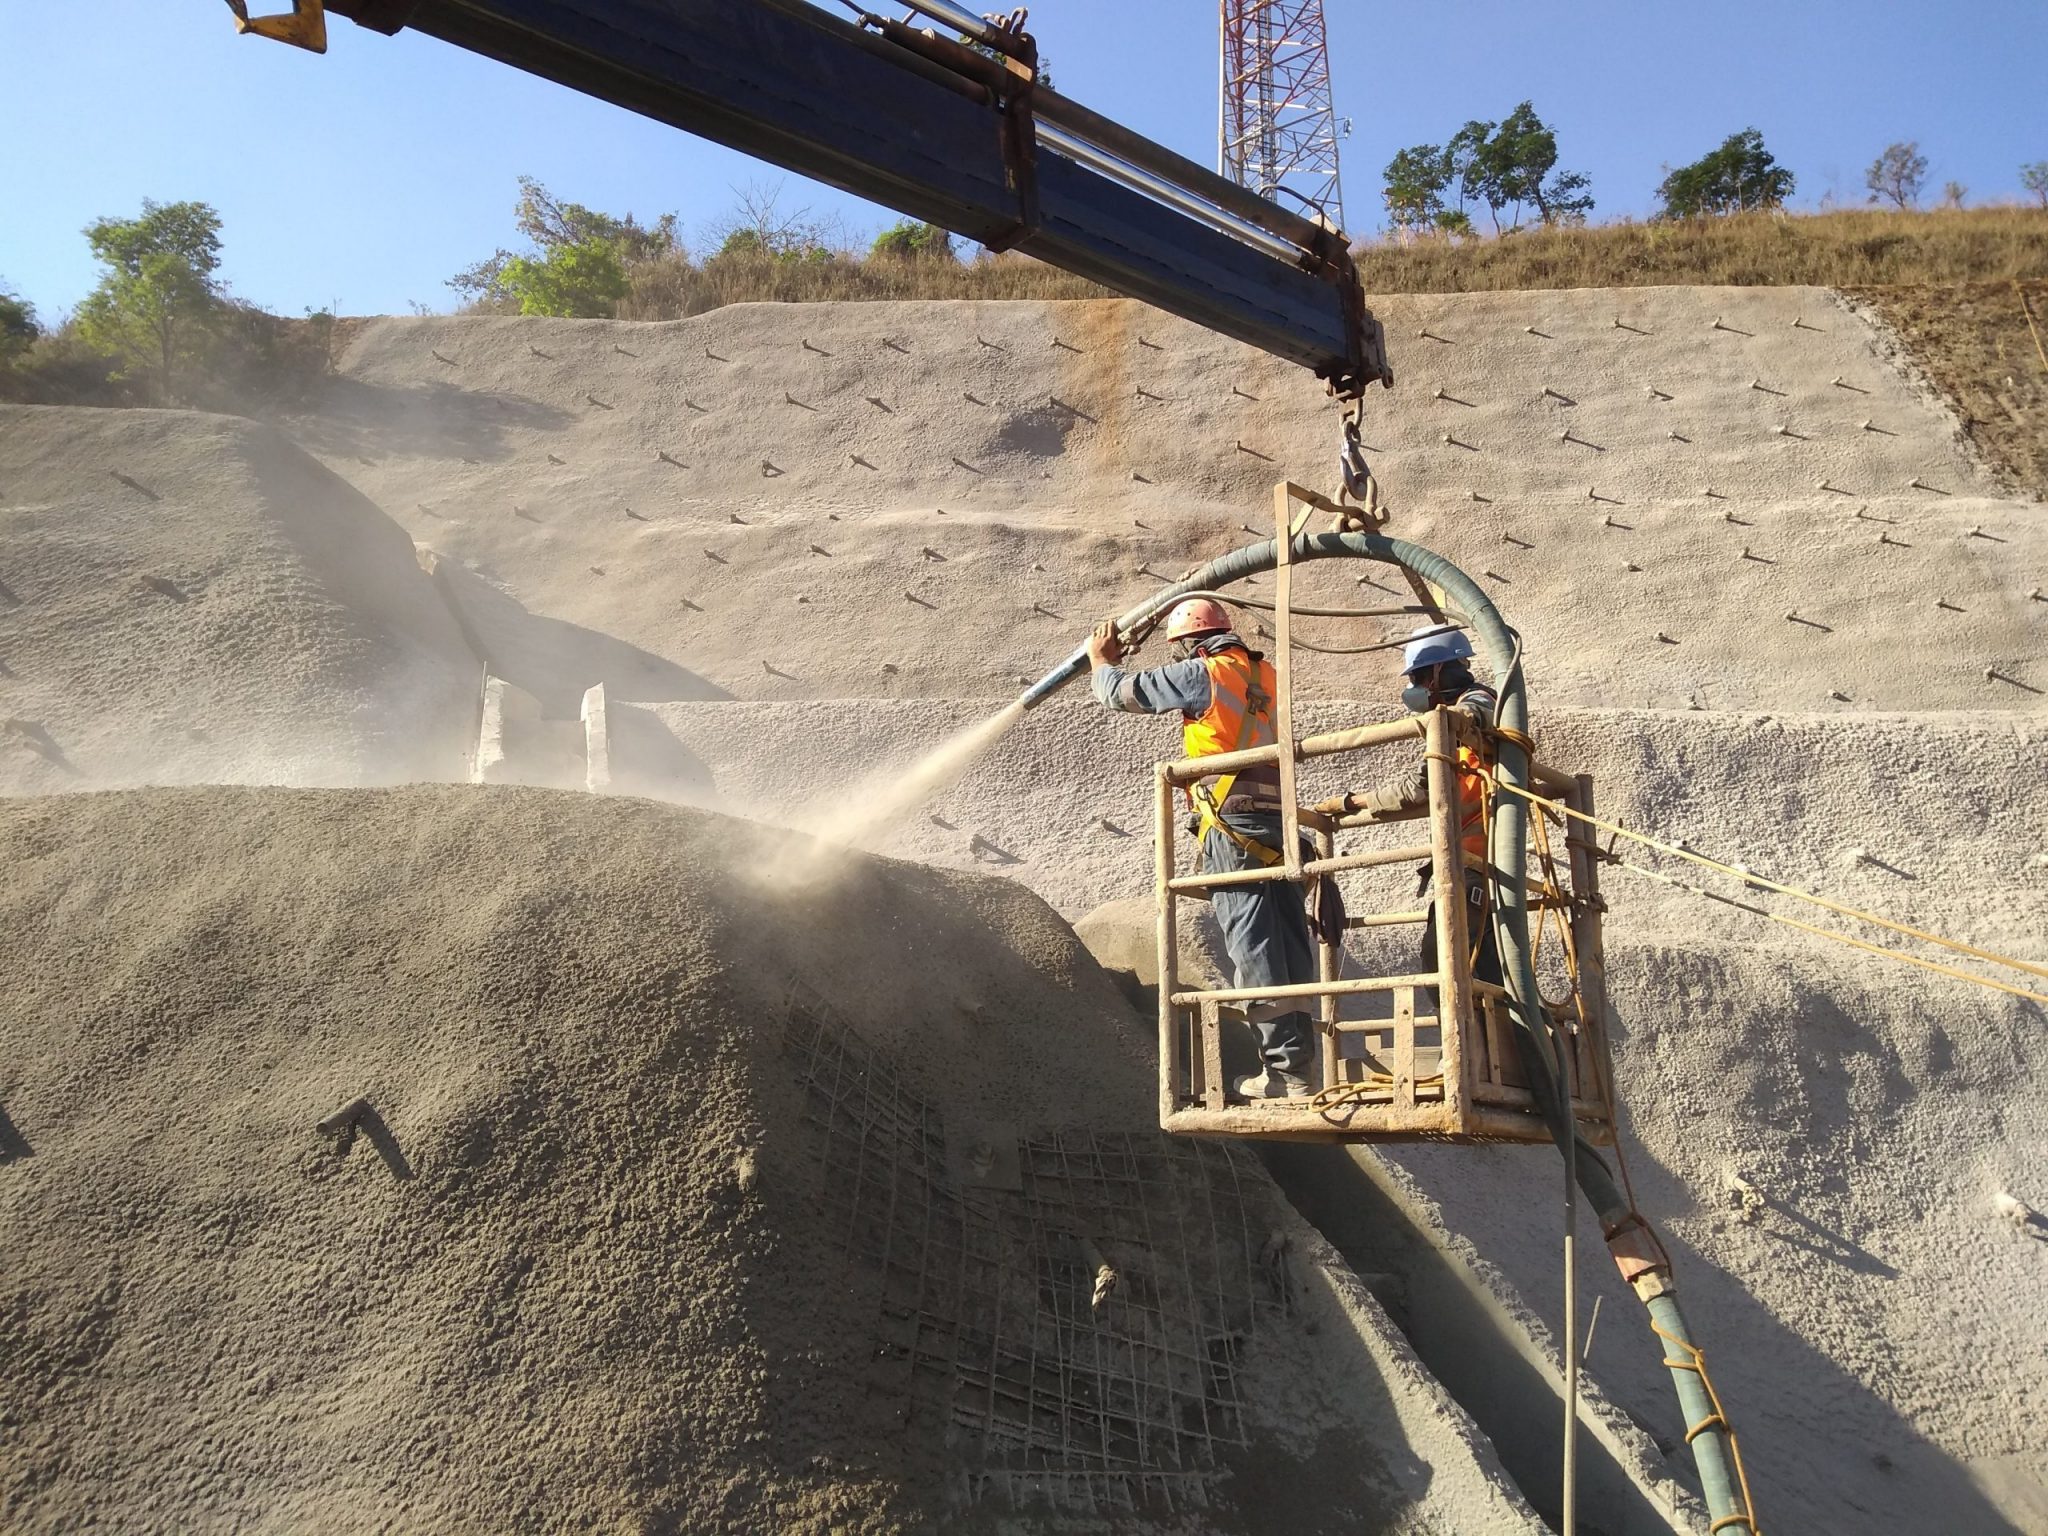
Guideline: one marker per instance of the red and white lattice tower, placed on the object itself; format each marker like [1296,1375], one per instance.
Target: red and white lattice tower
[1279,131]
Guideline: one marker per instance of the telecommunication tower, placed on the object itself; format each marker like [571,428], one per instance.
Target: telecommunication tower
[1278,131]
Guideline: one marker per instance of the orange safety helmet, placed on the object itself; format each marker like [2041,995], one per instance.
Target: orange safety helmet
[1196,616]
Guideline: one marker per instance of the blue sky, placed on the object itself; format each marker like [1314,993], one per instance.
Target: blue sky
[365,178]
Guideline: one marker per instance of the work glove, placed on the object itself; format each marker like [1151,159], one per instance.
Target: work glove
[1105,646]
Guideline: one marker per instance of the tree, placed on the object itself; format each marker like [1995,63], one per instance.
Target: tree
[1512,165]
[758,227]
[584,280]
[1898,174]
[1416,180]
[157,300]
[1953,193]
[18,328]
[910,241]
[1521,157]
[549,222]
[2034,177]
[1739,177]
[1472,168]
[553,225]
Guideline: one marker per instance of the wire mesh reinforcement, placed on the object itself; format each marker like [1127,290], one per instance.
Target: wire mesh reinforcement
[989,1334]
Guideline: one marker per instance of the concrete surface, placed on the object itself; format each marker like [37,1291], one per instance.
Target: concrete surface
[1816,650]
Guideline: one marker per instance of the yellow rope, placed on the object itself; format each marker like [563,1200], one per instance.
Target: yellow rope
[1339,1095]
[1696,1362]
[1841,938]
[1551,891]
[1516,738]
[1807,896]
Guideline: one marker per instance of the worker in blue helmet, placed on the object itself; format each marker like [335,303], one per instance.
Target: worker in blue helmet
[1436,669]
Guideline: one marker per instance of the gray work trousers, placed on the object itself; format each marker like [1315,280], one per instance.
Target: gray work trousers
[1265,929]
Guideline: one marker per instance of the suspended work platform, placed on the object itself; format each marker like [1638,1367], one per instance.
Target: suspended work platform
[1426,1054]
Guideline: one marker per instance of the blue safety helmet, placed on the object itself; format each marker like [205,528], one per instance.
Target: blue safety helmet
[1432,644]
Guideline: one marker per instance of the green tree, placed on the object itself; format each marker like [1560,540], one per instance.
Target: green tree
[549,222]
[1897,175]
[552,224]
[18,328]
[1472,168]
[1738,177]
[1522,156]
[2034,177]
[582,280]
[157,300]
[1416,180]
[912,241]
[1510,165]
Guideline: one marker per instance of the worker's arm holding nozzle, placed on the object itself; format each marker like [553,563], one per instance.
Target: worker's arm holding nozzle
[1179,685]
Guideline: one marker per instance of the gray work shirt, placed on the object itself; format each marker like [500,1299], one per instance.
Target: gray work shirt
[1179,685]
[1410,792]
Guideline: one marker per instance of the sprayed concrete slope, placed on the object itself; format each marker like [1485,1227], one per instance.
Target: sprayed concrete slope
[679,1204]
[190,599]
[925,486]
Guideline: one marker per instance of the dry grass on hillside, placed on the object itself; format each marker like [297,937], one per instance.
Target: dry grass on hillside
[675,289]
[1833,250]
[1944,279]
[1974,340]
[1857,248]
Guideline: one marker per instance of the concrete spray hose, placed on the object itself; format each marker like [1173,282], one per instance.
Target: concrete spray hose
[1637,1252]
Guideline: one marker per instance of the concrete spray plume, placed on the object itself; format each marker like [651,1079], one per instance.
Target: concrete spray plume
[875,807]
[880,804]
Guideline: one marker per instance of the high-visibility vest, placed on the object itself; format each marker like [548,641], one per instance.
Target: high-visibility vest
[1240,715]
[1231,723]
[1472,800]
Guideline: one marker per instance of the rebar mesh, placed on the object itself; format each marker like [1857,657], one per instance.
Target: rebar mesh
[988,1331]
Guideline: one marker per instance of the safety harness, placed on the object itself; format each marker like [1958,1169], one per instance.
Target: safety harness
[1209,803]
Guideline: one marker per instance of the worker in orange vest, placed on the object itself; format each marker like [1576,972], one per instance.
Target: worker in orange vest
[1437,666]
[1224,692]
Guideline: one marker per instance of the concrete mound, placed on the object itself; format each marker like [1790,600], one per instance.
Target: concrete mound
[648,1198]
[191,599]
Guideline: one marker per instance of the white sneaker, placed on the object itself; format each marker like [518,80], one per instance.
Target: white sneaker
[1273,1084]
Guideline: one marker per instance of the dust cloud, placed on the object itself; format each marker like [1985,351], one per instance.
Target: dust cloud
[862,816]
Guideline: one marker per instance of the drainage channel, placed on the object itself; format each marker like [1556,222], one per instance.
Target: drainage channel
[1482,1357]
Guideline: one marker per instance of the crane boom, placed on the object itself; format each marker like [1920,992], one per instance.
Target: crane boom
[965,139]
